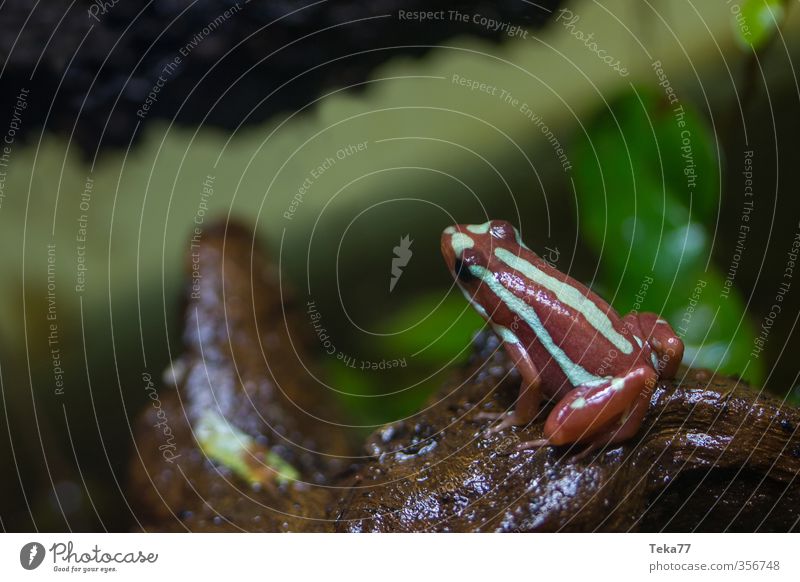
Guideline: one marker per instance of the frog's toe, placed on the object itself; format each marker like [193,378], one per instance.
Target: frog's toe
[588,450]
[532,445]
[537,444]
[509,420]
[489,415]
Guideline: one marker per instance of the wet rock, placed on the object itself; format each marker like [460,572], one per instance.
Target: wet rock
[241,362]
[712,455]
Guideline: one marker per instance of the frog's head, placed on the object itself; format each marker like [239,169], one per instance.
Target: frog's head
[468,249]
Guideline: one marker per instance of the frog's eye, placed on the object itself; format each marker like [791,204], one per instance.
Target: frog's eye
[462,271]
[504,230]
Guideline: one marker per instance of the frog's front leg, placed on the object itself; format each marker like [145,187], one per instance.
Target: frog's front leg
[530,394]
[604,413]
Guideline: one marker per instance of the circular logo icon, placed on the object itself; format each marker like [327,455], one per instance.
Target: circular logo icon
[31,555]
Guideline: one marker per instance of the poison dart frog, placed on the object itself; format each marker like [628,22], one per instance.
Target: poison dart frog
[567,343]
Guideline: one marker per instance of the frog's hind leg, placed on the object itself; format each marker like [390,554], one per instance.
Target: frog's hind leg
[599,412]
[620,431]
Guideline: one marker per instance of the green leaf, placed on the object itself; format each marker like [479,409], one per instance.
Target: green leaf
[647,181]
[222,442]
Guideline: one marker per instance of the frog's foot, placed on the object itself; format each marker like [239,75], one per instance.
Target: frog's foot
[593,446]
[727,393]
[532,445]
[537,444]
[508,420]
[513,419]
[489,415]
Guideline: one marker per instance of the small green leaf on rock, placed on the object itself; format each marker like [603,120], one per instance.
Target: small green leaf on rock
[239,452]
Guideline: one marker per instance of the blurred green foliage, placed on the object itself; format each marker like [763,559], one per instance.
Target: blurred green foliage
[648,185]
[757,21]
[441,338]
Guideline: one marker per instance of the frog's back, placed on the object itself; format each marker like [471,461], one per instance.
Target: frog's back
[561,320]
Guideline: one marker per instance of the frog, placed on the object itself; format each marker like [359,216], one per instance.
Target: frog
[568,344]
